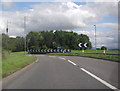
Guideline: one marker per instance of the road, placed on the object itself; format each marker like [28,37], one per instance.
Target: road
[65,72]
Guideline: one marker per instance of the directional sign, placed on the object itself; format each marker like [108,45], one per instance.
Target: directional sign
[59,47]
[83,44]
[54,50]
[80,44]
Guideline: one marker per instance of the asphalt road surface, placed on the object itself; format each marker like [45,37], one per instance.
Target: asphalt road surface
[65,72]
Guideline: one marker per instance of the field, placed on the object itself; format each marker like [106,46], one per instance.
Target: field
[15,61]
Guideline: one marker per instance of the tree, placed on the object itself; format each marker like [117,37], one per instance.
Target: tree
[103,47]
[14,44]
[47,40]
[19,44]
[50,39]
[4,40]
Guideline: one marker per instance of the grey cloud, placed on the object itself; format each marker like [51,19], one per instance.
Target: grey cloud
[61,16]
[49,16]
[106,38]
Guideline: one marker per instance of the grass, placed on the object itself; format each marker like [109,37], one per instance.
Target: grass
[15,62]
[98,51]
[100,56]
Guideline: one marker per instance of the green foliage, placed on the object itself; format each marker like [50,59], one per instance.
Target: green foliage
[103,47]
[94,51]
[50,39]
[4,54]
[47,40]
[44,47]
[100,56]
[14,44]
[4,41]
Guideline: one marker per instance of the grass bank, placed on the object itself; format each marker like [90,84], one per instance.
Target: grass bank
[15,62]
[98,51]
[100,56]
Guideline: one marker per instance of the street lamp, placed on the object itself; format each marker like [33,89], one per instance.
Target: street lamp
[7,36]
[24,32]
[95,36]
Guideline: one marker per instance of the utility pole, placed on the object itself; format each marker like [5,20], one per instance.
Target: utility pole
[95,37]
[24,32]
[7,37]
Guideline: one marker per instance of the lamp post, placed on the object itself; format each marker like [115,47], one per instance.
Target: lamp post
[7,37]
[24,32]
[95,37]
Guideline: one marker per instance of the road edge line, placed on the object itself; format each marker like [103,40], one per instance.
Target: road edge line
[72,62]
[100,80]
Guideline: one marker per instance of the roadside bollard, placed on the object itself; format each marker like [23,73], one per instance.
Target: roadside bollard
[104,50]
[83,50]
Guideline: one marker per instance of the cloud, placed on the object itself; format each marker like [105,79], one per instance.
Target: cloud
[86,0]
[62,16]
[106,38]
[49,16]
[114,26]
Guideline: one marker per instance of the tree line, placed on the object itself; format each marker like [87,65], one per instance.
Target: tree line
[47,40]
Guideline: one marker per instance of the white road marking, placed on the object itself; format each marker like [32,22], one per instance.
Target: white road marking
[72,62]
[52,56]
[41,55]
[36,61]
[61,58]
[99,79]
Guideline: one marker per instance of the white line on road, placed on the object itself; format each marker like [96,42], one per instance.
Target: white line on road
[41,55]
[72,62]
[61,58]
[52,56]
[36,61]
[99,79]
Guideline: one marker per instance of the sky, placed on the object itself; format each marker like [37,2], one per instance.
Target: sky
[79,17]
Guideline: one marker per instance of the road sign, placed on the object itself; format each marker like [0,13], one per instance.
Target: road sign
[83,44]
[80,44]
[58,47]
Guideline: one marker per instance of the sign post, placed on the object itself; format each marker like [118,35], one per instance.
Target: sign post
[83,50]
[59,48]
[104,50]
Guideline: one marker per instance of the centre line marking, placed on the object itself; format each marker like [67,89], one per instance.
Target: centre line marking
[52,56]
[61,58]
[41,55]
[99,79]
[72,62]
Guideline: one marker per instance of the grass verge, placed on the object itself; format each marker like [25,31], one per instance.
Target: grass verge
[100,56]
[98,51]
[15,62]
